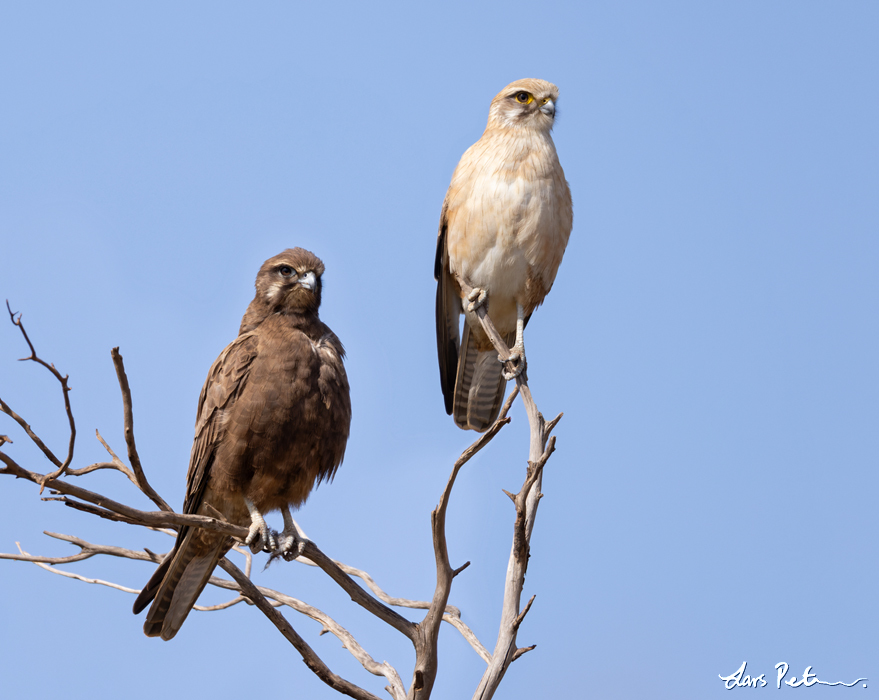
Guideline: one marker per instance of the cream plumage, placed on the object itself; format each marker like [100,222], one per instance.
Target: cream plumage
[504,227]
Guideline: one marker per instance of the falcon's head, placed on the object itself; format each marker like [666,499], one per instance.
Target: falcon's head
[525,104]
[290,282]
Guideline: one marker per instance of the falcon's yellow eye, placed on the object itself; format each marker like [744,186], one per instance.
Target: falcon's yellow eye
[523,98]
[285,270]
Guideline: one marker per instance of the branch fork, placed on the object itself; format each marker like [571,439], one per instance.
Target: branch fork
[423,635]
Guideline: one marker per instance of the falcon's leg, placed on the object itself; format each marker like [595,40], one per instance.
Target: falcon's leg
[477,298]
[516,363]
[259,537]
[291,538]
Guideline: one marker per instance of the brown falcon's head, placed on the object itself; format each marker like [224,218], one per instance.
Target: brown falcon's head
[288,283]
[524,104]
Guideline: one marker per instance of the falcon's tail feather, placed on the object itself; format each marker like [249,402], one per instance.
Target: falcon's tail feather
[186,573]
[148,594]
[479,385]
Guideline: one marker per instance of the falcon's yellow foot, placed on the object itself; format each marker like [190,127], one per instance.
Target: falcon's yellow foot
[259,537]
[477,297]
[515,365]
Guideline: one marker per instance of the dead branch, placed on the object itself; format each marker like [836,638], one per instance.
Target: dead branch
[426,663]
[128,420]
[312,660]
[116,464]
[65,391]
[423,635]
[374,587]
[526,502]
[358,595]
[276,598]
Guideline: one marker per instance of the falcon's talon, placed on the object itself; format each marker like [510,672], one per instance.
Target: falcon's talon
[290,539]
[289,546]
[260,538]
[477,298]
[515,364]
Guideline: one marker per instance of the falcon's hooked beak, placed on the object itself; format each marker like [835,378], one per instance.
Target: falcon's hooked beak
[308,280]
[548,108]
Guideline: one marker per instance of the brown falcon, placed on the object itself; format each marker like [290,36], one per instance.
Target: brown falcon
[503,230]
[272,423]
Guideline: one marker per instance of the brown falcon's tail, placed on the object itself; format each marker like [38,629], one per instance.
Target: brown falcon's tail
[177,583]
[479,385]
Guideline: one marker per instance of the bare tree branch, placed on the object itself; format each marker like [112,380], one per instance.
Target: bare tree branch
[128,419]
[526,502]
[69,574]
[358,595]
[275,598]
[65,391]
[424,635]
[468,634]
[426,663]
[115,464]
[311,659]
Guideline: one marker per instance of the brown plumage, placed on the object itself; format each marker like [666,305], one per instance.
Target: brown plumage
[503,230]
[273,421]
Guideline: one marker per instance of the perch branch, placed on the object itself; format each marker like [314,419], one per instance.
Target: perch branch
[424,635]
[452,614]
[526,502]
[311,659]
[426,663]
[358,595]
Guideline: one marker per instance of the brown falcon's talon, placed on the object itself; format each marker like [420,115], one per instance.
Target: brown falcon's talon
[260,538]
[289,546]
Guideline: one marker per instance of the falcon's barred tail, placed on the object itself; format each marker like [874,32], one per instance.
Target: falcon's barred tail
[187,573]
[479,386]
[148,594]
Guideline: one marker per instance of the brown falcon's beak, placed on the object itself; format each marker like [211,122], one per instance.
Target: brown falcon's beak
[308,280]
[548,108]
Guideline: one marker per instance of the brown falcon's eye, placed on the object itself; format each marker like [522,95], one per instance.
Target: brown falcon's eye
[285,270]
[523,98]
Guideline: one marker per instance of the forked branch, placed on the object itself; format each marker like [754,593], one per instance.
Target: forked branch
[423,635]
[525,501]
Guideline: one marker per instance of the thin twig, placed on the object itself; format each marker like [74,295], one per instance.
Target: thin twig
[128,420]
[69,574]
[65,391]
[311,659]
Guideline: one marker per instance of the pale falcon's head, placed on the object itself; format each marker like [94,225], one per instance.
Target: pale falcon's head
[528,103]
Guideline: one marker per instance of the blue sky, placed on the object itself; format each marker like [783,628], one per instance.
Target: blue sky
[711,335]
